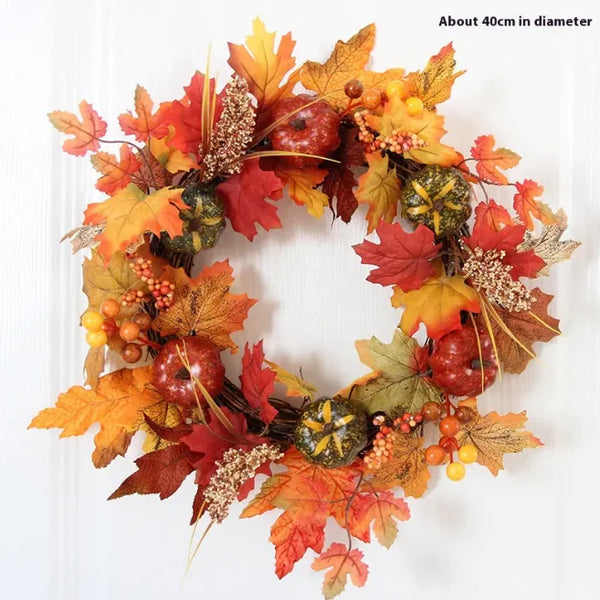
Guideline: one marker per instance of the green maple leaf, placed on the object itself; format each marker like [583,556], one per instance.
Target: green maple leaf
[399,382]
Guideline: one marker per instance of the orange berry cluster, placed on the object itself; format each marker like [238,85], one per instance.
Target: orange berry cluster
[161,290]
[398,142]
[384,438]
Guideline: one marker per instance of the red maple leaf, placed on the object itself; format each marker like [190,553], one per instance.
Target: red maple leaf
[86,132]
[493,215]
[402,258]
[117,173]
[245,195]
[186,115]
[527,206]
[212,440]
[524,264]
[258,383]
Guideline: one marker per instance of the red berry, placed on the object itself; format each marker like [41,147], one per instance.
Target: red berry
[143,320]
[173,380]
[435,455]
[432,411]
[406,417]
[131,352]
[313,129]
[405,428]
[419,418]
[449,426]
[464,414]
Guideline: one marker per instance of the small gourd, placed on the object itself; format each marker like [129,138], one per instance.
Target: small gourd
[203,221]
[331,432]
[438,197]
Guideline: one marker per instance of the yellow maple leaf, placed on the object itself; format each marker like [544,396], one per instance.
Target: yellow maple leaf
[428,126]
[296,386]
[434,84]
[380,189]
[301,185]
[495,435]
[347,62]
[116,404]
[131,212]
[406,468]
[262,67]
[164,414]
[172,159]
[203,306]
[437,304]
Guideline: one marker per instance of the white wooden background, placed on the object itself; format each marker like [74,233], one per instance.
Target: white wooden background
[530,533]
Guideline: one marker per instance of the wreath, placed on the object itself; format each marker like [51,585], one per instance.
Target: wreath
[454,258]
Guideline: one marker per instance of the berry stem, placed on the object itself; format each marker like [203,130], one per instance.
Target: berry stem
[150,343]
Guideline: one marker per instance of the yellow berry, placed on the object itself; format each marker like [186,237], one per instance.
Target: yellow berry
[96,338]
[467,454]
[414,106]
[455,471]
[394,88]
[92,320]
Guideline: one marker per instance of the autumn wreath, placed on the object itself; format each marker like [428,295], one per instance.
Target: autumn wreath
[455,259]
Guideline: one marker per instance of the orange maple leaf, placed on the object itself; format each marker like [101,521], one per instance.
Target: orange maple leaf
[489,161]
[116,404]
[347,61]
[204,306]
[117,173]
[145,123]
[342,563]
[527,206]
[86,133]
[493,215]
[434,84]
[380,189]
[130,213]
[172,159]
[495,435]
[301,184]
[262,67]
[428,126]
[437,304]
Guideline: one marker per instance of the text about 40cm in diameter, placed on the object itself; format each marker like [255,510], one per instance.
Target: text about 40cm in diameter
[520,21]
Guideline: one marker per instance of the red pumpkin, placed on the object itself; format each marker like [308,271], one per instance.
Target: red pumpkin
[311,130]
[456,365]
[174,381]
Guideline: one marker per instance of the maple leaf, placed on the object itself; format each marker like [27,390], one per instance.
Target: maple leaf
[301,184]
[401,382]
[258,383]
[489,161]
[507,240]
[295,386]
[379,511]
[245,195]
[170,158]
[94,366]
[437,304]
[160,472]
[130,213]
[145,123]
[340,181]
[262,67]
[402,258]
[548,245]
[433,85]
[203,306]
[428,126]
[406,468]
[115,404]
[158,419]
[527,206]
[527,327]
[380,189]
[101,282]
[210,441]
[495,435]
[347,62]
[117,173]
[343,563]
[187,115]
[493,215]
[86,133]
